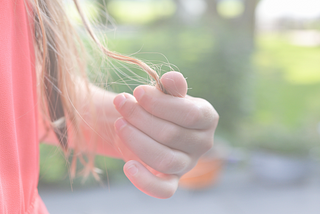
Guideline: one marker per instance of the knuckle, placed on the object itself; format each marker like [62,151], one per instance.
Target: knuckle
[211,114]
[170,163]
[166,163]
[207,145]
[207,116]
[193,116]
[216,116]
[169,134]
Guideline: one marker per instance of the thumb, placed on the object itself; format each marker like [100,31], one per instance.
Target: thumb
[175,84]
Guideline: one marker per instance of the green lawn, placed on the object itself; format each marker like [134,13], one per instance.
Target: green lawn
[300,65]
[287,94]
[288,82]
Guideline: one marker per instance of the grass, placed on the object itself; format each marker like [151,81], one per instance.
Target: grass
[287,93]
[288,82]
[300,65]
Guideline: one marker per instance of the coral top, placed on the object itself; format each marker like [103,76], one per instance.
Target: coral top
[19,143]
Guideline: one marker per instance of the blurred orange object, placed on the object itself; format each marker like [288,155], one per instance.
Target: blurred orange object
[203,175]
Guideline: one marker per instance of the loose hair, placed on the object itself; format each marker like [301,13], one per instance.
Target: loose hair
[61,65]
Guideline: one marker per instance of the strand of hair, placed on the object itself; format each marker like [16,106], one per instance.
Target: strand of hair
[116,56]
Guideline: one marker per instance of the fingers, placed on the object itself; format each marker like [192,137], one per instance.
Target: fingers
[162,131]
[165,134]
[161,186]
[185,112]
[155,155]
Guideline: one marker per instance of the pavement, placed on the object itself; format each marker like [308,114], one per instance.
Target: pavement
[236,192]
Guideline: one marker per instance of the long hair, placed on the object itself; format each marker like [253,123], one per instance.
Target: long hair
[61,60]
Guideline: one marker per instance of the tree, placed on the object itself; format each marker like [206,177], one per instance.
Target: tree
[243,25]
[234,44]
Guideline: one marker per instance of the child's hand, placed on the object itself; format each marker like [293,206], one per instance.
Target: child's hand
[164,135]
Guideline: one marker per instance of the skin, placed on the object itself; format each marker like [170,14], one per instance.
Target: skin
[160,136]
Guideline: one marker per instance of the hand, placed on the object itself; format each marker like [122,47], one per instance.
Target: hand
[162,136]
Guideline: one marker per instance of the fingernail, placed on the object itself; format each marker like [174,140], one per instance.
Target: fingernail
[119,124]
[132,170]
[119,100]
[139,92]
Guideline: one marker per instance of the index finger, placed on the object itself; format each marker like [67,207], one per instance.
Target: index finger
[186,112]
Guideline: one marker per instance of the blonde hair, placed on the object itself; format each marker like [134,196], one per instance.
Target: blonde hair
[59,51]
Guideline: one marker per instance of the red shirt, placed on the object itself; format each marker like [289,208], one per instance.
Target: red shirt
[19,143]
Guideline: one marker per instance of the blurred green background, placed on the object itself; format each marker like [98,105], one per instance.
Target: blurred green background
[260,72]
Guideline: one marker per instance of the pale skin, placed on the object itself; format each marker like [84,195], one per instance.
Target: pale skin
[160,136]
